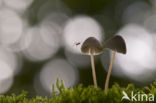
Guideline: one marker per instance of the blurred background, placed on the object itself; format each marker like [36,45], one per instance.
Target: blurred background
[38,43]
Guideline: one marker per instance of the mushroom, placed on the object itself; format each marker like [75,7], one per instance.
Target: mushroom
[92,46]
[117,44]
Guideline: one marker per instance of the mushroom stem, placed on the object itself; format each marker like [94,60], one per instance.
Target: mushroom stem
[109,71]
[93,70]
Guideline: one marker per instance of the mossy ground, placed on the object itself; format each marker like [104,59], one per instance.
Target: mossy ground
[82,95]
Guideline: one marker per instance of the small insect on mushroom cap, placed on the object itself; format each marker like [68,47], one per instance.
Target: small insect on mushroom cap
[91,45]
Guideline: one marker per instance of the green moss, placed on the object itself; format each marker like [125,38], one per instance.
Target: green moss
[82,95]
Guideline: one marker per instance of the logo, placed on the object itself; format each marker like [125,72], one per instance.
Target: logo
[137,97]
[125,96]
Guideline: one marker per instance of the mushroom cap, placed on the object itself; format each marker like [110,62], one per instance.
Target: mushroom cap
[116,43]
[91,45]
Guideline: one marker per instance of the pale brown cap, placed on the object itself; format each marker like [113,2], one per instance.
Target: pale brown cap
[91,45]
[116,43]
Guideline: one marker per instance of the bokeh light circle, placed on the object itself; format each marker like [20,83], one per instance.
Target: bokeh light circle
[6,76]
[38,49]
[54,7]
[58,68]
[5,70]
[50,32]
[140,56]
[9,33]
[140,11]
[78,29]
[10,58]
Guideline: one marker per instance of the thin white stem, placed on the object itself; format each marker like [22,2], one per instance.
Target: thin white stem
[93,70]
[109,71]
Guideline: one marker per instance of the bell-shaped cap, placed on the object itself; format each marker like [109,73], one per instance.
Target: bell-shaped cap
[91,45]
[116,43]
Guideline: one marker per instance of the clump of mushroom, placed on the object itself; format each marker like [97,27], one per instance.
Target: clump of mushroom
[92,46]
